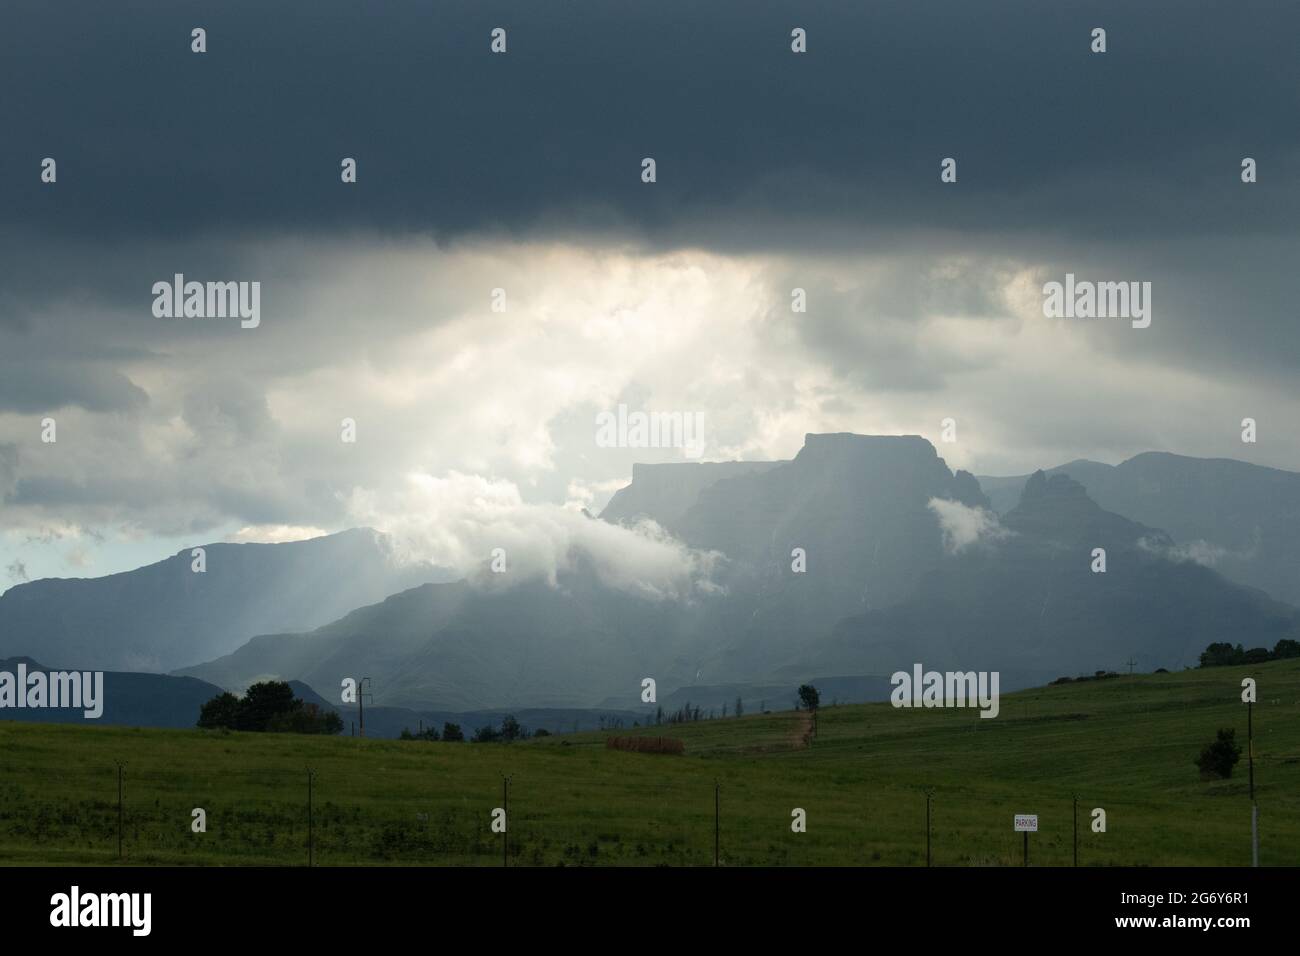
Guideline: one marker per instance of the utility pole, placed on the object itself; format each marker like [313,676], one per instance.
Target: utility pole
[717,821]
[1254,807]
[311,834]
[361,703]
[1250,748]
[505,831]
[928,795]
[120,765]
[1130,662]
[1076,829]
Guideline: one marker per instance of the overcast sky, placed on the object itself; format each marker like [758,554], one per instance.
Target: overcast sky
[522,171]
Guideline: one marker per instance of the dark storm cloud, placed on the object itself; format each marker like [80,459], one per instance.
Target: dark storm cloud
[1145,139]
[27,386]
[8,468]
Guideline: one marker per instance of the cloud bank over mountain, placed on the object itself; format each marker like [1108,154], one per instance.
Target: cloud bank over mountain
[965,526]
[776,173]
[487,533]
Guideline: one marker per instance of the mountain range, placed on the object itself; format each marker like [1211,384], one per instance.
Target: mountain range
[167,615]
[860,556]
[1243,520]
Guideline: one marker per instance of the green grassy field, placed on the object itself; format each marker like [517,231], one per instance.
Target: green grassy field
[1126,745]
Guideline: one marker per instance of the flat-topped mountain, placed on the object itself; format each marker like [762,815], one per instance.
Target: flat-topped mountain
[859,556]
[665,492]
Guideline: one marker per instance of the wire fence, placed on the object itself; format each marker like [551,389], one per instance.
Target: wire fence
[271,818]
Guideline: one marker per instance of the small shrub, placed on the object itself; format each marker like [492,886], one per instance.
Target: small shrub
[1219,757]
[647,745]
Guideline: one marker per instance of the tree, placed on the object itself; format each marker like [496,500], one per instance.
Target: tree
[429,733]
[1258,655]
[263,702]
[1286,648]
[740,707]
[487,735]
[220,711]
[1218,758]
[1222,654]
[269,706]
[306,719]
[809,697]
[451,733]
[541,732]
[510,729]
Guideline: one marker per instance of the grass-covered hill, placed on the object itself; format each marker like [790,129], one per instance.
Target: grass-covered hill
[1124,744]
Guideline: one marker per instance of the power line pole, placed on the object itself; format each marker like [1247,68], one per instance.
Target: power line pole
[1130,662]
[505,830]
[1076,829]
[928,795]
[1250,747]
[311,832]
[361,704]
[120,765]
[717,821]
[1254,807]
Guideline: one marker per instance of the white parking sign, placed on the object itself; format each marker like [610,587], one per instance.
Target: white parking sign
[1026,823]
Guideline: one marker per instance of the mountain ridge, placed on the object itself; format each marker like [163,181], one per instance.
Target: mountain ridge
[166,615]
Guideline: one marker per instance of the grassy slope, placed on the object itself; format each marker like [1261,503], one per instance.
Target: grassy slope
[1126,745]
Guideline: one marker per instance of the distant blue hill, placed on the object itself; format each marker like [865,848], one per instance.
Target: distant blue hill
[391,721]
[164,616]
[159,700]
[133,700]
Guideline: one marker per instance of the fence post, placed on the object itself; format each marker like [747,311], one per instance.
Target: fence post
[928,795]
[311,831]
[505,832]
[717,821]
[120,765]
